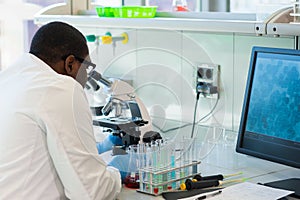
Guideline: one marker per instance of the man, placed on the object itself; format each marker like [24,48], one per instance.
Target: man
[47,146]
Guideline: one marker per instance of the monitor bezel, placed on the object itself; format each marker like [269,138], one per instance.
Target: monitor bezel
[241,133]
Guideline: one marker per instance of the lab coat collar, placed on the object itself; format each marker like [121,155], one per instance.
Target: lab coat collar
[40,62]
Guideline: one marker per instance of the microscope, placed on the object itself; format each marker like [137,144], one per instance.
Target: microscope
[123,113]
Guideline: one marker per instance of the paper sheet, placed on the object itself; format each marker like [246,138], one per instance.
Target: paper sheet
[250,191]
[245,191]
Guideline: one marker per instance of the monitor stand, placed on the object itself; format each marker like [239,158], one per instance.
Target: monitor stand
[292,184]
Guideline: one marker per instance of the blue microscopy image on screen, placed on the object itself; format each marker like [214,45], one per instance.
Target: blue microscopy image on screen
[274,107]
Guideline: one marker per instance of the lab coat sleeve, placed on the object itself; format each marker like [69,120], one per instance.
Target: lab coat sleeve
[72,146]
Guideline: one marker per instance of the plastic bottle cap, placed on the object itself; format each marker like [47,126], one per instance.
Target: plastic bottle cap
[182,186]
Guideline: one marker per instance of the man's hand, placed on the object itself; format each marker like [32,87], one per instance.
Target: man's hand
[108,143]
[126,164]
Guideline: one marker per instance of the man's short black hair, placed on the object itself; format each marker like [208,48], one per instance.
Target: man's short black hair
[56,40]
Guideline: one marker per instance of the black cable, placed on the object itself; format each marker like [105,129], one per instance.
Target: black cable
[195,112]
[189,124]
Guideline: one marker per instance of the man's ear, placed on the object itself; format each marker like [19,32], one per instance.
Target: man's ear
[70,60]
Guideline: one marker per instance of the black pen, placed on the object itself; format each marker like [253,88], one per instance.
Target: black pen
[209,195]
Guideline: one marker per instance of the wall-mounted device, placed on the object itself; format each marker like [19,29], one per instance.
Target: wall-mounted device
[207,83]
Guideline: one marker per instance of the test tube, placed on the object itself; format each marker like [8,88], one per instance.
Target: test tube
[182,160]
[148,167]
[186,161]
[173,172]
[166,156]
[154,166]
[187,155]
[194,152]
[177,151]
[160,163]
[141,165]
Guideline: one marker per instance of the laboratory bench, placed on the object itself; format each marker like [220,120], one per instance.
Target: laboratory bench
[220,157]
[256,170]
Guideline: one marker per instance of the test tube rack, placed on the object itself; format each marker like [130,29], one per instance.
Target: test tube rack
[157,181]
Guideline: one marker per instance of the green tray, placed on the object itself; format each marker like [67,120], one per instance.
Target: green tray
[135,11]
[105,11]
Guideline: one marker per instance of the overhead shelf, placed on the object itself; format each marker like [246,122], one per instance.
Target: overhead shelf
[278,24]
[165,23]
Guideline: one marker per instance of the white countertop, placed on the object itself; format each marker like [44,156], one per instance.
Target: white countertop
[254,169]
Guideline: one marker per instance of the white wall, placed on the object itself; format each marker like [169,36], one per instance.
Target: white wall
[161,64]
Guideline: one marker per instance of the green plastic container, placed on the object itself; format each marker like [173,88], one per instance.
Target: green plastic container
[135,11]
[105,11]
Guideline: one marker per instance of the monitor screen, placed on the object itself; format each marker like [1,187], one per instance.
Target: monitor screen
[270,120]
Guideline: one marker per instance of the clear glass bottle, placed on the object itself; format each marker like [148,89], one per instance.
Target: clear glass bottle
[132,177]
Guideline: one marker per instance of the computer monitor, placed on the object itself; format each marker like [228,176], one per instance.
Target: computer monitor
[270,120]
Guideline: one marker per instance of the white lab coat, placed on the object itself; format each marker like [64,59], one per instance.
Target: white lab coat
[47,146]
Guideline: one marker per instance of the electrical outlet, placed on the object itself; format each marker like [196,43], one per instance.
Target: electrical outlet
[207,83]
